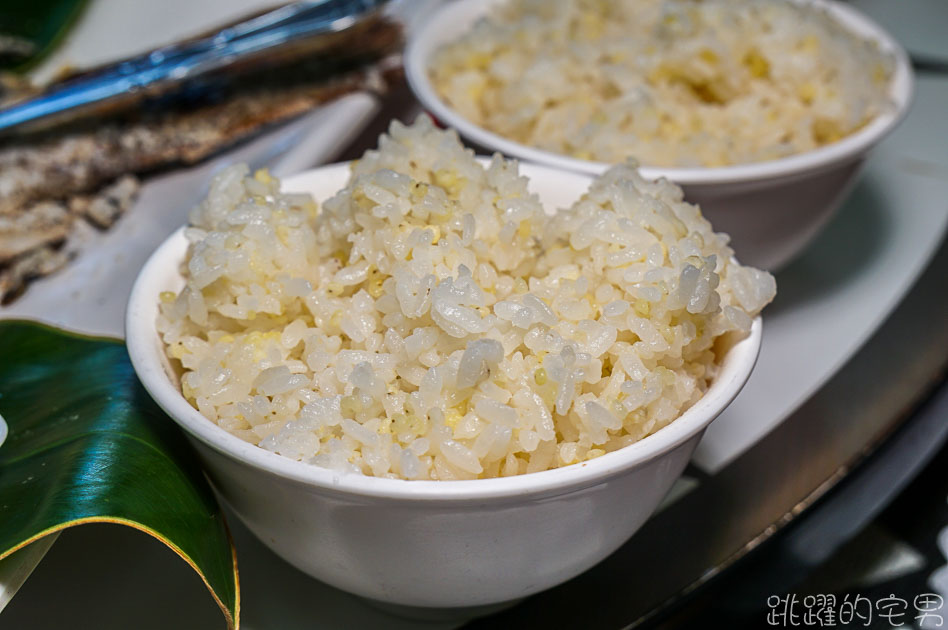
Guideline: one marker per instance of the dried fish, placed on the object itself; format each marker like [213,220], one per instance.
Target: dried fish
[36,263]
[42,223]
[32,241]
[103,209]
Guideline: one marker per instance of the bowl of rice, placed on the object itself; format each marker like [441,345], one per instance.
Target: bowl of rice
[451,381]
[761,110]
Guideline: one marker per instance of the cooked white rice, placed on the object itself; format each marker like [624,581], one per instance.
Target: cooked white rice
[669,82]
[431,322]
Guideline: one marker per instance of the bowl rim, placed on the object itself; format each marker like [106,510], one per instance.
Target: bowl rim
[146,353]
[423,40]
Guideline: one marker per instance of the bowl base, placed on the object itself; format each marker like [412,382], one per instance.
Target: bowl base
[433,615]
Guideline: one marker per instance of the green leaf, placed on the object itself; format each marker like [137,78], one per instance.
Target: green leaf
[31,29]
[86,444]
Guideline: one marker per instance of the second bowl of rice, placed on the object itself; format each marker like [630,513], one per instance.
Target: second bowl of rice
[762,110]
[451,381]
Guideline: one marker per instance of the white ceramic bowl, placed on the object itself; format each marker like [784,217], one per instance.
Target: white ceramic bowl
[770,209]
[429,543]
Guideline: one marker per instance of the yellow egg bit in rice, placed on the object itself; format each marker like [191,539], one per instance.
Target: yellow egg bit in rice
[429,321]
